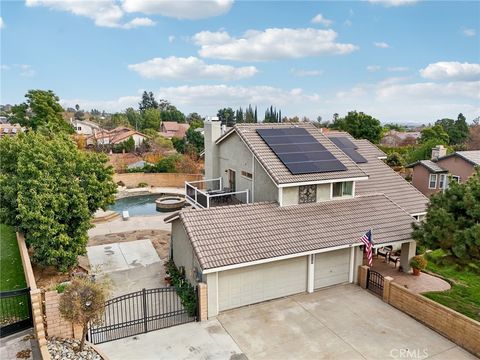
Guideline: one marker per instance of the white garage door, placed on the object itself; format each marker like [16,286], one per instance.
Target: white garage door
[332,268]
[253,284]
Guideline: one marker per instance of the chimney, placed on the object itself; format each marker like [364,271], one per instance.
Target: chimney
[438,152]
[212,131]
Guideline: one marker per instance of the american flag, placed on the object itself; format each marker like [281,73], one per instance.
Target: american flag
[367,240]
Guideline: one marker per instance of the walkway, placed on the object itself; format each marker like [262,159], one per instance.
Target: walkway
[417,284]
[20,346]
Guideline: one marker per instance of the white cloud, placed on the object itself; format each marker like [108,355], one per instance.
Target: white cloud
[26,70]
[179,9]
[190,68]
[270,44]
[373,68]
[2,23]
[4,67]
[381,45]
[393,3]
[171,39]
[469,32]
[104,12]
[305,72]
[112,106]
[452,70]
[137,22]
[319,19]
[397,68]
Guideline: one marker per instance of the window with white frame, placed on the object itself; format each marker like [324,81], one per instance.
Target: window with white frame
[432,181]
[456,178]
[342,189]
[442,181]
[247,174]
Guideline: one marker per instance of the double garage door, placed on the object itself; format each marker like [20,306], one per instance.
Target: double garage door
[254,284]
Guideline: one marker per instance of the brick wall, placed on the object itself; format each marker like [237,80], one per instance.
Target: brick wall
[459,328]
[131,180]
[202,302]
[56,325]
[36,299]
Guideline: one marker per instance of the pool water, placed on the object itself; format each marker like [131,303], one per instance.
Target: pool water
[137,205]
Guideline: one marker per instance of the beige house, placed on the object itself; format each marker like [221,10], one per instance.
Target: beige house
[171,129]
[432,176]
[116,136]
[282,210]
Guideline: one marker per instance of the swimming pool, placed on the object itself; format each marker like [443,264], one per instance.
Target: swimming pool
[137,205]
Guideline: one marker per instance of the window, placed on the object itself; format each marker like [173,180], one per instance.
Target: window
[456,178]
[307,194]
[432,181]
[442,181]
[247,175]
[342,189]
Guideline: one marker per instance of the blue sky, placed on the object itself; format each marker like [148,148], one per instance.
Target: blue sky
[398,60]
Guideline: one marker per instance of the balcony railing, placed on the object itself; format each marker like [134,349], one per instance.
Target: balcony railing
[209,193]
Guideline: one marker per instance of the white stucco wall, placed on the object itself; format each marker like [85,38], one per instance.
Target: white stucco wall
[264,188]
[323,192]
[183,254]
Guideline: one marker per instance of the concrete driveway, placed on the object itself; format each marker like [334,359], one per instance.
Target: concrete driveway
[343,322]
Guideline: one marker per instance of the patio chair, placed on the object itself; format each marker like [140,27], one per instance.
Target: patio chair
[395,258]
[385,251]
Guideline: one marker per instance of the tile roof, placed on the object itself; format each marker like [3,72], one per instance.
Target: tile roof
[430,165]
[382,179]
[229,235]
[274,166]
[472,156]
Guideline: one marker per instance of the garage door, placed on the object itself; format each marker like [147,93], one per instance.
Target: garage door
[253,284]
[332,268]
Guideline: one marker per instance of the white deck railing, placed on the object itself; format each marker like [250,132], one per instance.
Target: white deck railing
[208,193]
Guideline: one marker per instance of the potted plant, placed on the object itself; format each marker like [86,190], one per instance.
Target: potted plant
[418,263]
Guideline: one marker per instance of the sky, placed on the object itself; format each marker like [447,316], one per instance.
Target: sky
[401,61]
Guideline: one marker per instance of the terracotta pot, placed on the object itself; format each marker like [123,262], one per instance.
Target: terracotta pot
[416,272]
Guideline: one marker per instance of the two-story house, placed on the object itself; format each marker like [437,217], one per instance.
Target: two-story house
[282,211]
[433,176]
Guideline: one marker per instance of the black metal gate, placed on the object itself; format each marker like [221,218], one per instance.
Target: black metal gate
[375,282]
[15,311]
[140,312]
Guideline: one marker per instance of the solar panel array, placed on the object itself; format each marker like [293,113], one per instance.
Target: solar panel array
[349,148]
[299,151]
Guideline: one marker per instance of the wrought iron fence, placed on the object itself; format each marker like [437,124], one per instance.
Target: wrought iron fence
[375,282]
[15,311]
[140,312]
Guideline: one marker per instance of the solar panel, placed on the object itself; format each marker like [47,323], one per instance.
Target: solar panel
[349,148]
[299,151]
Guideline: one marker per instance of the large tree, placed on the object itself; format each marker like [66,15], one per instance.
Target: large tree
[360,126]
[148,102]
[226,116]
[452,222]
[49,190]
[272,115]
[436,133]
[457,130]
[41,111]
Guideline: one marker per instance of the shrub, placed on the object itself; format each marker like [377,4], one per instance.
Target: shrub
[142,185]
[418,262]
[395,159]
[61,287]
[120,183]
[185,290]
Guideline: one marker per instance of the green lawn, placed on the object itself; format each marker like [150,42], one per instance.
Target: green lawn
[11,269]
[464,296]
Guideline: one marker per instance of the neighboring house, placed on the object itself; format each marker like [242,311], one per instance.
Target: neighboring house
[399,138]
[85,127]
[3,120]
[171,129]
[282,211]
[432,176]
[138,165]
[116,136]
[10,130]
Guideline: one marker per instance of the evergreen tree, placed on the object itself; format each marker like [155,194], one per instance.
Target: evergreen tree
[239,116]
[148,102]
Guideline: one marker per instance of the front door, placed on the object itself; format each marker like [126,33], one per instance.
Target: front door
[231,180]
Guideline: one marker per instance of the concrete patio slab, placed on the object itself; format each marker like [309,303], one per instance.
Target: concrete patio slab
[417,284]
[152,222]
[130,266]
[205,340]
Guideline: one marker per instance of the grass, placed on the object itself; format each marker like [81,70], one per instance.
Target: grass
[464,296]
[11,268]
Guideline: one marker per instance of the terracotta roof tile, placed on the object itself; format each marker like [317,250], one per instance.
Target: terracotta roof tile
[237,234]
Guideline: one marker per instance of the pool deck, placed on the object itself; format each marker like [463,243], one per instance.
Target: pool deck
[150,222]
